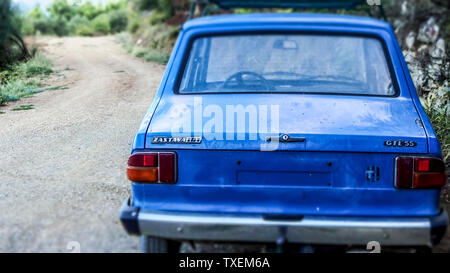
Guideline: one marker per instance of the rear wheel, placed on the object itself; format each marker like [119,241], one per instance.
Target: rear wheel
[158,245]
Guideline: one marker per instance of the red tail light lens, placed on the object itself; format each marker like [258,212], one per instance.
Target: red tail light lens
[420,172]
[404,172]
[167,167]
[152,168]
[143,160]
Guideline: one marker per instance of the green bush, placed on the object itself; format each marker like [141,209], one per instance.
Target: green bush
[84,31]
[88,10]
[145,4]
[42,26]
[12,47]
[439,114]
[118,5]
[60,26]
[38,65]
[134,26]
[157,17]
[61,9]
[23,79]
[2,99]
[165,6]
[77,23]
[118,20]
[101,24]
[163,12]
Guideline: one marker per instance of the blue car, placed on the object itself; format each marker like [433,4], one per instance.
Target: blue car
[286,129]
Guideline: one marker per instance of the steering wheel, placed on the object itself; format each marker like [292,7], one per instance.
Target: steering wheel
[238,80]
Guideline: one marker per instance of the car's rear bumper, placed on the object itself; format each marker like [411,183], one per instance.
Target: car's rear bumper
[395,231]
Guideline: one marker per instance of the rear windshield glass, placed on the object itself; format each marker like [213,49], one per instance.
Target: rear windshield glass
[287,63]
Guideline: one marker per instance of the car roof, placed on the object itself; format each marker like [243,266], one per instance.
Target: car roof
[268,19]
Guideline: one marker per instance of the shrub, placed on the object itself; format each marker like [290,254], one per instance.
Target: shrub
[157,17]
[42,26]
[84,31]
[61,9]
[101,24]
[12,47]
[2,99]
[118,5]
[22,79]
[88,10]
[38,65]
[118,20]
[60,26]
[77,23]
[438,112]
[145,4]
[134,26]
[163,12]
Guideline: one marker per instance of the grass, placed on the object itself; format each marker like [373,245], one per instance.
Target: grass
[439,115]
[148,53]
[24,107]
[24,79]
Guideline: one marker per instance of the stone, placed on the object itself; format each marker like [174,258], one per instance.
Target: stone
[438,50]
[428,31]
[410,39]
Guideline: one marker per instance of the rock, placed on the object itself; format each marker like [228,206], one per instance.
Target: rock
[407,9]
[410,57]
[417,76]
[410,39]
[429,31]
[438,50]
[422,50]
[433,71]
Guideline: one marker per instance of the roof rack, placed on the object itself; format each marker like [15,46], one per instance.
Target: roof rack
[209,5]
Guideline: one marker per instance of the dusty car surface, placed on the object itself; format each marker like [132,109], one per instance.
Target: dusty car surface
[295,128]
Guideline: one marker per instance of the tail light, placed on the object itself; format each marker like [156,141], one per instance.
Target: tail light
[419,172]
[152,168]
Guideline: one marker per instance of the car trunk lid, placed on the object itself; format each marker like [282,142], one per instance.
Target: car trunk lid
[312,123]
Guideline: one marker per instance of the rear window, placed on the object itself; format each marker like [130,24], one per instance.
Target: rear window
[284,63]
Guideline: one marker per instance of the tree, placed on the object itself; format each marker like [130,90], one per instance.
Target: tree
[36,12]
[88,10]
[61,9]
[12,47]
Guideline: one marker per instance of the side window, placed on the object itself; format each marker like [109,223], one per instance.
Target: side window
[195,72]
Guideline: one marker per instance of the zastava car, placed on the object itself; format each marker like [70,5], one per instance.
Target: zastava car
[291,128]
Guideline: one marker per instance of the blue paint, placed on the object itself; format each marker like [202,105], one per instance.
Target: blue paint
[326,174]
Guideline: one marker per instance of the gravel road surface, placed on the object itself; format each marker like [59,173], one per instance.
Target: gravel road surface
[62,166]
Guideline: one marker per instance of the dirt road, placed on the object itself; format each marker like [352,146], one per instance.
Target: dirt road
[62,176]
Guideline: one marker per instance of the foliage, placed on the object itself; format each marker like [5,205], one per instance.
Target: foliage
[23,79]
[145,4]
[61,9]
[118,20]
[77,23]
[86,19]
[84,31]
[36,12]
[88,10]
[439,115]
[118,5]
[163,11]
[12,47]
[101,24]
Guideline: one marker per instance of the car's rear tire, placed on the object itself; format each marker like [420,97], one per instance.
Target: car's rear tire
[151,244]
